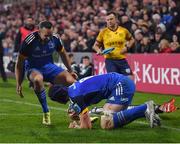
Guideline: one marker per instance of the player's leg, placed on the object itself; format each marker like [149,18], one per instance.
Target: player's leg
[36,78]
[64,78]
[56,75]
[166,107]
[114,107]
[121,118]
[124,117]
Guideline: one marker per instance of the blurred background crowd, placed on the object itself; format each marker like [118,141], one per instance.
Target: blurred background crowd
[155,24]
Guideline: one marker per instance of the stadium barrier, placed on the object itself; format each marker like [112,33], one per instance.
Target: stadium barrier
[154,73]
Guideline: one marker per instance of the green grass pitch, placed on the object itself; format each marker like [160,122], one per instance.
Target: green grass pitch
[20,121]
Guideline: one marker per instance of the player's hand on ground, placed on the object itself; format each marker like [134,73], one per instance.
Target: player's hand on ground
[19,91]
[74,124]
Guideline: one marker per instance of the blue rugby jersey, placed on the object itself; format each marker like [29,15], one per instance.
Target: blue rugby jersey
[93,89]
[39,54]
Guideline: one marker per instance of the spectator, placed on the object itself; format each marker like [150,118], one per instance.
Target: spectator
[74,66]
[90,34]
[145,48]
[23,32]
[164,46]
[29,26]
[175,46]
[85,67]
[155,43]
[2,70]
[138,35]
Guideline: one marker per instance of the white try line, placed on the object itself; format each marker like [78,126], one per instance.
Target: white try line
[20,114]
[62,109]
[162,126]
[30,104]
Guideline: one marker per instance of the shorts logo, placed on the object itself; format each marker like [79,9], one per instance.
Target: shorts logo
[128,70]
[112,98]
[124,99]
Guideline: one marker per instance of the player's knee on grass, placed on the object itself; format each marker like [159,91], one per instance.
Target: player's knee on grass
[107,122]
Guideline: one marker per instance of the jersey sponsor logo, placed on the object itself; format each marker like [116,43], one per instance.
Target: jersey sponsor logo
[44,51]
[41,55]
[114,43]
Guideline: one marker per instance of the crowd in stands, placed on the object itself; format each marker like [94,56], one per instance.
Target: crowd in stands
[153,23]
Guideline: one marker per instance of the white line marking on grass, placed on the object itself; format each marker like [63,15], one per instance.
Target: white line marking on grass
[20,114]
[162,126]
[30,104]
[62,109]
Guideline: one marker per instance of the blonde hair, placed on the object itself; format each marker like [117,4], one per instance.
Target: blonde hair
[107,122]
[164,43]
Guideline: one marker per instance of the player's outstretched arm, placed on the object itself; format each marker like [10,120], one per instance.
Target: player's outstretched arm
[85,121]
[66,62]
[19,74]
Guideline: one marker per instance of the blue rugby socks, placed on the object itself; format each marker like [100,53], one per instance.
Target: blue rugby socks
[42,99]
[126,116]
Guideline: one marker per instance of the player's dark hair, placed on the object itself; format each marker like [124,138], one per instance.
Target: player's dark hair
[85,57]
[112,12]
[58,93]
[45,24]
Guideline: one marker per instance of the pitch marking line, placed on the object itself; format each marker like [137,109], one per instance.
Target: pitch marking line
[62,109]
[30,104]
[20,114]
[162,126]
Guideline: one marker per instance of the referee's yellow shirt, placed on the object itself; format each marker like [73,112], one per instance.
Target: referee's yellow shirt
[116,39]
